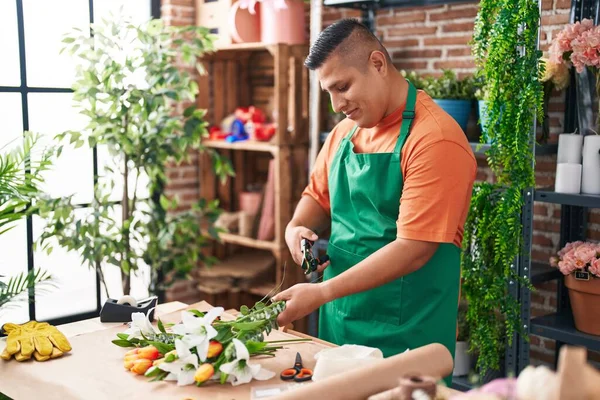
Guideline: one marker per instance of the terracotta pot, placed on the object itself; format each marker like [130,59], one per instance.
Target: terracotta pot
[283,25]
[585,303]
[244,26]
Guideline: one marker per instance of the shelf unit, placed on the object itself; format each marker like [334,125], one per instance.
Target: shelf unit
[272,78]
[559,326]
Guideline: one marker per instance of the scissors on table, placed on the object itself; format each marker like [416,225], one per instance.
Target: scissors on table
[297,373]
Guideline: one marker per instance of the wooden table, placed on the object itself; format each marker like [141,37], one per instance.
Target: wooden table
[94,368]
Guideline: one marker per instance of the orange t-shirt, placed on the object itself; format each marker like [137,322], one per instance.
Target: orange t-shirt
[438,167]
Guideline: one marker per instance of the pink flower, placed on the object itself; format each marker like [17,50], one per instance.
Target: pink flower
[585,50]
[595,267]
[554,262]
[586,253]
[568,247]
[563,43]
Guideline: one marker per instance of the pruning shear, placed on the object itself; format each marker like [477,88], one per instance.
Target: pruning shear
[309,261]
[297,373]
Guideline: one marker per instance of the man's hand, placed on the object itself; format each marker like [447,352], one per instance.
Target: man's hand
[301,300]
[293,238]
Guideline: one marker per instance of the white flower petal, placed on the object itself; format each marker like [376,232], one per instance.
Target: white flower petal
[243,375]
[241,352]
[186,378]
[212,314]
[261,374]
[191,359]
[173,367]
[171,377]
[202,349]
[179,329]
[229,367]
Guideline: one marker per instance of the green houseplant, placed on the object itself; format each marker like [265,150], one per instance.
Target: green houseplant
[505,48]
[132,87]
[454,95]
[21,175]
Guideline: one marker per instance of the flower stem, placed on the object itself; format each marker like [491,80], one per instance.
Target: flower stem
[288,341]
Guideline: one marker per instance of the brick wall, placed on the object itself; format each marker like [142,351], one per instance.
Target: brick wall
[426,40]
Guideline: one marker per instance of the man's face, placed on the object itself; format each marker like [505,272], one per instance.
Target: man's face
[360,95]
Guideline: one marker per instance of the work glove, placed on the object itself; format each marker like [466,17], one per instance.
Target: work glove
[39,339]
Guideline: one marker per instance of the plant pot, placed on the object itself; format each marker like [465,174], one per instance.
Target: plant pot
[460,110]
[462,359]
[283,25]
[585,303]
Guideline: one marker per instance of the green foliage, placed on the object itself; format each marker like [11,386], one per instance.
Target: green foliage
[21,177]
[505,47]
[20,287]
[447,86]
[132,85]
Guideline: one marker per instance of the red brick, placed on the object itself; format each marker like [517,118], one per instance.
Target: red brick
[481,176]
[401,18]
[187,13]
[410,65]
[594,217]
[534,340]
[453,14]
[545,166]
[543,36]
[563,4]
[547,286]
[541,240]
[452,64]
[331,14]
[459,27]
[538,312]
[437,41]
[544,357]
[547,4]
[549,344]
[417,30]
[189,3]
[544,47]
[407,54]
[560,107]
[546,226]
[555,19]
[390,44]
[593,234]
[538,299]
[545,181]
[540,209]
[459,52]
[552,301]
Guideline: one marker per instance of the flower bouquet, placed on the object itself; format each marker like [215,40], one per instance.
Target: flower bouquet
[578,45]
[202,347]
[580,263]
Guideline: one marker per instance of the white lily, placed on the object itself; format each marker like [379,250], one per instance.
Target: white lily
[198,331]
[241,369]
[140,324]
[183,368]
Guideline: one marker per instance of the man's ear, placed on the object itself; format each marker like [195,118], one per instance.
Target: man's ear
[378,60]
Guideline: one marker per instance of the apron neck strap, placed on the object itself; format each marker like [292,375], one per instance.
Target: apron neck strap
[407,116]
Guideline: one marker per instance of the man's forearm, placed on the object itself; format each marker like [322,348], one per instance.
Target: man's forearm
[310,214]
[393,261]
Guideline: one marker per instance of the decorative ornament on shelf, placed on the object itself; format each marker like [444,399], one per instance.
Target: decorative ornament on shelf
[202,347]
[580,263]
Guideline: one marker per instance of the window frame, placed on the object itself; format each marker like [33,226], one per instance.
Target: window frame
[24,90]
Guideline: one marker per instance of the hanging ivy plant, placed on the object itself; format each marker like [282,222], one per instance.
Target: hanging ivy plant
[505,48]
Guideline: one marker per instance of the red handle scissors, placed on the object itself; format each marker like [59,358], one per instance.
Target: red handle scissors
[297,373]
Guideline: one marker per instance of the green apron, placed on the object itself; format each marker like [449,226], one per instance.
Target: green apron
[412,311]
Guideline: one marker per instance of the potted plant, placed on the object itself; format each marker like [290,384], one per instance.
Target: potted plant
[454,95]
[20,178]
[579,262]
[462,358]
[130,84]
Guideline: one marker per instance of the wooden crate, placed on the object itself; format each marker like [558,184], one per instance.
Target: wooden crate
[274,79]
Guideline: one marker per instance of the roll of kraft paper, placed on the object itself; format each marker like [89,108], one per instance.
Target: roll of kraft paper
[360,383]
[568,178]
[569,148]
[590,179]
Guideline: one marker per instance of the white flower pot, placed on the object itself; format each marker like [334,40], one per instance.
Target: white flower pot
[462,359]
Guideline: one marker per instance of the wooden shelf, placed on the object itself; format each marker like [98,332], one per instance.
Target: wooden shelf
[248,145]
[233,238]
[244,46]
[264,289]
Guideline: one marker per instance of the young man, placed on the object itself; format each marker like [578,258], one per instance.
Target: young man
[394,179]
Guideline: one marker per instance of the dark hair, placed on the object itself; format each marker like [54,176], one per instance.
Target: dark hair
[333,36]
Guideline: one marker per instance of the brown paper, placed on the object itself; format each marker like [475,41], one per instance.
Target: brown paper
[432,360]
[94,369]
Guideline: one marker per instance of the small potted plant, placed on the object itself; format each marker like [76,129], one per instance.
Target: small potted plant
[462,358]
[454,95]
[580,263]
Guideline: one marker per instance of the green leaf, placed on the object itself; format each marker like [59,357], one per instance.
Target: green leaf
[197,313]
[224,335]
[244,310]
[123,343]
[189,111]
[123,336]
[248,326]
[163,348]
[161,327]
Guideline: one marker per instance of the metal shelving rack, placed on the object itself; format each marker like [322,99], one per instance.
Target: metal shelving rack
[559,326]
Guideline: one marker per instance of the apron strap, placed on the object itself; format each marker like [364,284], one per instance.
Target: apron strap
[407,116]
[351,134]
